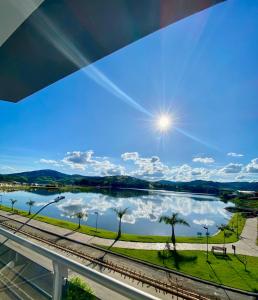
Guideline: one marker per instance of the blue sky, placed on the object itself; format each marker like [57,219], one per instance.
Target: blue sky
[202,71]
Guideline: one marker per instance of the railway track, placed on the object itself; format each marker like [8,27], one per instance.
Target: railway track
[165,287]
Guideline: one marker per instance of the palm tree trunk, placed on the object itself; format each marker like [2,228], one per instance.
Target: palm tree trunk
[173,237]
[30,210]
[119,227]
[12,207]
[79,223]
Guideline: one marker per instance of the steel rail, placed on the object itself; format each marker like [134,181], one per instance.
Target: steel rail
[102,279]
[170,288]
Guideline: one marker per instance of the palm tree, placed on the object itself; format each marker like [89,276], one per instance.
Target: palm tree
[80,215]
[227,231]
[30,203]
[173,220]
[13,201]
[120,213]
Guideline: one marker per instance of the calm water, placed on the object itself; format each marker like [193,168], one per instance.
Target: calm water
[145,208]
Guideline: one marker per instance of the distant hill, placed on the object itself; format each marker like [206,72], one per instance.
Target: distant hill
[196,186]
[202,186]
[41,177]
[52,177]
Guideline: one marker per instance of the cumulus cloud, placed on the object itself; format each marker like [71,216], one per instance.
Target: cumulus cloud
[188,173]
[252,167]
[206,222]
[8,169]
[80,160]
[240,176]
[204,160]
[149,207]
[50,162]
[152,168]
[233,154]
[147,167]
[232,168]
[40,203]
[71,207]
[130,156]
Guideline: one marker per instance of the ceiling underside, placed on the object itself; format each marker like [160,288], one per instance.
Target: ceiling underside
[61,36]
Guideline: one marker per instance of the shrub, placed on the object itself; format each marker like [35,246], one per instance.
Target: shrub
[77,289]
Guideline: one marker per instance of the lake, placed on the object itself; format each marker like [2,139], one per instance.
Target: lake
[145,208]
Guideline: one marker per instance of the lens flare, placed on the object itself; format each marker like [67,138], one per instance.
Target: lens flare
[164,123]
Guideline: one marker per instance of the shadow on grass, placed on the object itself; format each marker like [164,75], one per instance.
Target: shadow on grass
[217,277]
[222,256]
[169,256]
[239,274]
[115,240]
[101,258]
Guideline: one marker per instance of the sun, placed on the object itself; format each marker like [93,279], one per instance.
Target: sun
[163,123]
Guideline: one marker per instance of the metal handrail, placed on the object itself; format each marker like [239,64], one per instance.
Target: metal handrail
[59,260]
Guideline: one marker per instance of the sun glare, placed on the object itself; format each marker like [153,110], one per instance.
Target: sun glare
[164,123]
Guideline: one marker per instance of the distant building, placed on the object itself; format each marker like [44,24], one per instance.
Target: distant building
[247,193]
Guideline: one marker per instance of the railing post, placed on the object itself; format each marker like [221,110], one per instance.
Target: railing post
[60,273]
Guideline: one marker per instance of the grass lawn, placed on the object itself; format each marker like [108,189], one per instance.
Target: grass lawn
[217,239]
[228,270]
[248,203]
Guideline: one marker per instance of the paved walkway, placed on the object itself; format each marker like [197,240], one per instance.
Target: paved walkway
[246,245]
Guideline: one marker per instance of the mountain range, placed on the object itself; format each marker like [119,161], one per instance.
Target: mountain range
[55,177]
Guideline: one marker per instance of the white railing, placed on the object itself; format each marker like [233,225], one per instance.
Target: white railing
[62,264]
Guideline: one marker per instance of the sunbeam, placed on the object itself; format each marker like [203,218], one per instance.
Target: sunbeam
[66,47]
[196,139]
[57,37]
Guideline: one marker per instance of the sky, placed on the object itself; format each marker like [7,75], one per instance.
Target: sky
[202,72]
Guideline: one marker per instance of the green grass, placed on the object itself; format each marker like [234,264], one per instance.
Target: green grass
[228,270]
[79,290]
[248,203]
[57,189]
[216,239]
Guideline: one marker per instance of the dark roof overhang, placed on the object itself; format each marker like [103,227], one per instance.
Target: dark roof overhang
[62,36]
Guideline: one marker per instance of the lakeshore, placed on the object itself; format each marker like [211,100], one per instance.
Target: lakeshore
[105,234]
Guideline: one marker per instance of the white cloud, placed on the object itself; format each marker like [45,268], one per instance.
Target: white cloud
[130,156]
[147,167]
[50,162]
[80,160]
[206,222]
[204,160]
[252,167]
[240,176]
[152,168]
[233,154]
[8,169]
[188,173]
[40,203]
[70,207]
[231,168]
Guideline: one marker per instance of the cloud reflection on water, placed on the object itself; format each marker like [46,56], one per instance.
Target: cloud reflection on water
[149,207]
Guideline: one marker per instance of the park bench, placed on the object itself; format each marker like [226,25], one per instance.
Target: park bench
[219,249]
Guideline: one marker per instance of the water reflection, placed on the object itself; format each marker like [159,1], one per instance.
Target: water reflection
[145,208]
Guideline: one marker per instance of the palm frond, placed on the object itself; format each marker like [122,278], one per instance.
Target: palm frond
[182,222]
[120,211]
[165,219]
[30,202]
[173,220]
[81,215]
